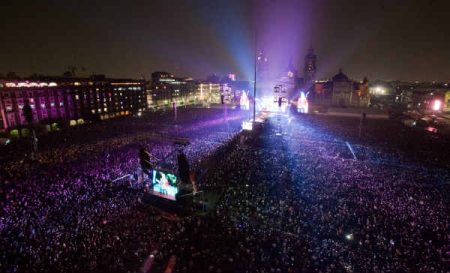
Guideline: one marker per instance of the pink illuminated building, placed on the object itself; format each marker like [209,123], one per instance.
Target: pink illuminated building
[70,100]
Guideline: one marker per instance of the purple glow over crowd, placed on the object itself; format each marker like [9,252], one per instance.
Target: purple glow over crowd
[253,136]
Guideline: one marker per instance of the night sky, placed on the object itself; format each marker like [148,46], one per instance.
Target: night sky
[391,39]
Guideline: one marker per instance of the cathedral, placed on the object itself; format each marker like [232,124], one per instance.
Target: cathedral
[310,65]
[340,91]
[292,82]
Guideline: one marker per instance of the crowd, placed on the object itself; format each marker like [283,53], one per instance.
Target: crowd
[294,200]
[296,204]
[64,210]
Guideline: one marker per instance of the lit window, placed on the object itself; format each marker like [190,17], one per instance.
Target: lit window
[77,97]
[52,104]
[43,105]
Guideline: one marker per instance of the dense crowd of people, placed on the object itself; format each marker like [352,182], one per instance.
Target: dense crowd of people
[293,200]
[65,210]
[294,205]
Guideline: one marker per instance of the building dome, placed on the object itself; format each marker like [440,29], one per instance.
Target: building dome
[340,77]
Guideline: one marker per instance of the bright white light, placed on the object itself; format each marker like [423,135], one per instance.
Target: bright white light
[247,125]
[270,104]
[349,236]
[29,84]
[302,104]
[244,101]
[437,105]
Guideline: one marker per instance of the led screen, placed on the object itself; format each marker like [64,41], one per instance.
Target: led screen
[164,184]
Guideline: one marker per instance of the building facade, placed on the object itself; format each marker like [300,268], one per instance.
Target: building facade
[56,100]
[166,89]
[209,93]
[340,91]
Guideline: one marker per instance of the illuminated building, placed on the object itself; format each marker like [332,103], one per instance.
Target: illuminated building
[208,92]
[57,100]
[227,92]
[166,89]
[447,102]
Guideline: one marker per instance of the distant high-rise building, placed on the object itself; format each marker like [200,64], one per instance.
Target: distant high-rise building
[310,65]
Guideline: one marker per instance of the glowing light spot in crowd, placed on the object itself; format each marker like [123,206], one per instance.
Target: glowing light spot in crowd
[349,236]
[302,104]
[437,105]
[247,125]
[244,102]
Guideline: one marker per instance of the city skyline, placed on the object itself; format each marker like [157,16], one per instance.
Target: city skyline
[396,40]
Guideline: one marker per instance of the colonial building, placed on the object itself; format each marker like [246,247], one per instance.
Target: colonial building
[56,100]
[341,91]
